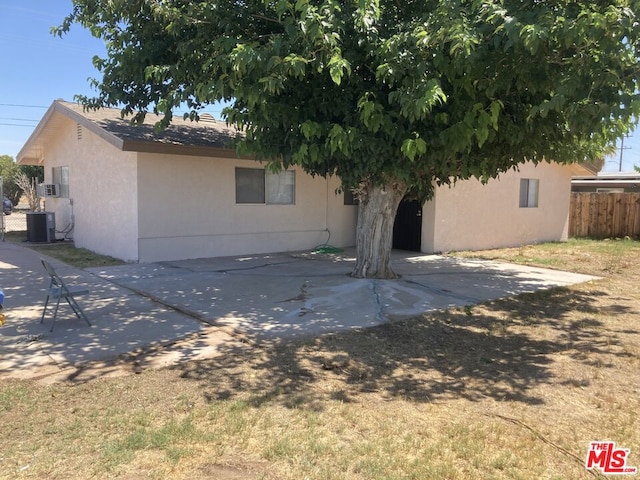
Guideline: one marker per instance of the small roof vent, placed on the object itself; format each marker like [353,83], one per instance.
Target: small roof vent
[207,118]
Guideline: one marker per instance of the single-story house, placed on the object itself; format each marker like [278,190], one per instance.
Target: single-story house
[607,182]
[125,191]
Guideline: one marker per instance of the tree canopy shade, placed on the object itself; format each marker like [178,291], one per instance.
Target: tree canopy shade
[393,96]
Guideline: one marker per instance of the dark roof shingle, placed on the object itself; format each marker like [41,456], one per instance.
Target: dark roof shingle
[183,137]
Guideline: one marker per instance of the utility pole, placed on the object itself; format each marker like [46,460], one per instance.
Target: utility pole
[622,149]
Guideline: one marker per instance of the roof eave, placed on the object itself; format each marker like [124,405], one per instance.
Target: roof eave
[29,154]
[178,149]
[22,157]
[593,167]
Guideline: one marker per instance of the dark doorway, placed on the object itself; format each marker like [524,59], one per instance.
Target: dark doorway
[407,229]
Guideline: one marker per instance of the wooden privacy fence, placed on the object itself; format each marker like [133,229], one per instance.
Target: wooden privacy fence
[604,215]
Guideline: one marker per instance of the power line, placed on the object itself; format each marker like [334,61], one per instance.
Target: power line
[20,119]
[16,125]
[21,106]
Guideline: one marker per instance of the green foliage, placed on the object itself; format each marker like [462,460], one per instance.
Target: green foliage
[33,171]
[418,92]
[8,170]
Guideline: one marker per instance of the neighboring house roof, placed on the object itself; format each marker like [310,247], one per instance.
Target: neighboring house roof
[608,180]
[591,167]
[183,137]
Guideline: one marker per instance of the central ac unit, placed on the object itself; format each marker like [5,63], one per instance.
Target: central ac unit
[49,190]
[41,227]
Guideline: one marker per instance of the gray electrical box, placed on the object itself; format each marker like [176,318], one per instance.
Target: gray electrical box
[41,227]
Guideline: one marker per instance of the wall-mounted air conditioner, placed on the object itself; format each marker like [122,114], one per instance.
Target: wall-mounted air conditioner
[49,190]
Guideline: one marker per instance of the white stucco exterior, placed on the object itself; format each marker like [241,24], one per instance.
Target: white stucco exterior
[188,209]
[140,197]
[150,207]
[102,192]
[473,216]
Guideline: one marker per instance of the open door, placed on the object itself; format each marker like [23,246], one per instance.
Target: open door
[407,229]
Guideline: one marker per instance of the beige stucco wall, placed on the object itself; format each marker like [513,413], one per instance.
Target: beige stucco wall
[187,209]
[428,226]
[473,216]
[102,194]
[149,207]
[341,218]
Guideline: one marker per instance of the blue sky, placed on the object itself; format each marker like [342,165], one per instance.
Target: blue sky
[630,155]
[36,68]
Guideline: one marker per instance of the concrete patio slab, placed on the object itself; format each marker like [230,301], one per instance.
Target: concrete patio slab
[279,296]
[187,309]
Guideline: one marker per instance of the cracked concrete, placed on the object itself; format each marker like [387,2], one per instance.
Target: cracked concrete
[271,297]
[187,309]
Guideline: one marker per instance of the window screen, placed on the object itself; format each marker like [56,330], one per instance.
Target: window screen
[529,192]
[249,185]
[254,185]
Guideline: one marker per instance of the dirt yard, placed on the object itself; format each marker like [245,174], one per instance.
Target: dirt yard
[509,389]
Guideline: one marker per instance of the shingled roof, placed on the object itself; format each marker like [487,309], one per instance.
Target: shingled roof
[183,137]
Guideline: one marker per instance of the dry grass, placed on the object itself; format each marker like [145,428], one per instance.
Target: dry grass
[66,252]
[510,389]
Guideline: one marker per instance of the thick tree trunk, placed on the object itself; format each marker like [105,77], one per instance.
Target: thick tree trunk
[374,233]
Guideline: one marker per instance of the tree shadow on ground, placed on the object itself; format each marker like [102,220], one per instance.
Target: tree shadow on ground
[501,350]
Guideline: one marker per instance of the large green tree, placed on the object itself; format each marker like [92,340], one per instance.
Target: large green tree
[393,96]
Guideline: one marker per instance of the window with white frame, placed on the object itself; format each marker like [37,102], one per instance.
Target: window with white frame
[255,185]
[60,176]
[529,192]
